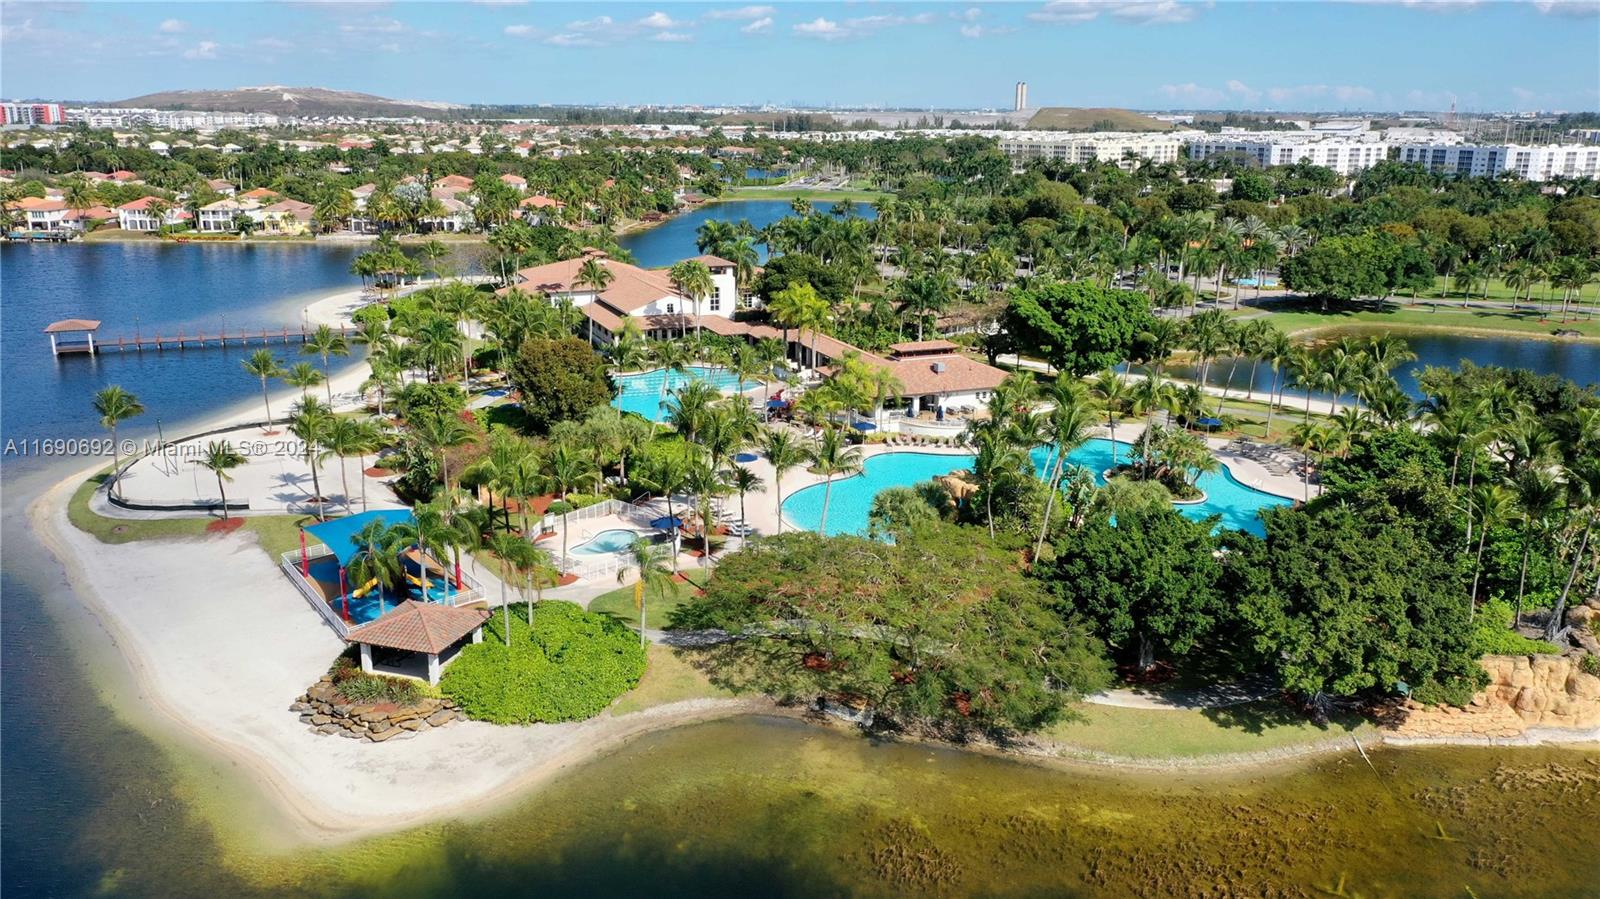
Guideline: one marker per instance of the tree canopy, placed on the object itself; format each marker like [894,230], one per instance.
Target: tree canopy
[560,380]
[1078,327]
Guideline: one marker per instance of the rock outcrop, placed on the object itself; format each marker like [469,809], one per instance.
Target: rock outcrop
[1524,692]
[327,713]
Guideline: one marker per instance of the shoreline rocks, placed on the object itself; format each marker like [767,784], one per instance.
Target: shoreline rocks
[1524,693]
[327,713]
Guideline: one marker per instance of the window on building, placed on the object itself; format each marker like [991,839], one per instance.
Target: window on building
[671,308]
[716,302]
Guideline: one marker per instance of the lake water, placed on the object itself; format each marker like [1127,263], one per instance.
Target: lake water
[1578,360]
[673,240]
[753,806]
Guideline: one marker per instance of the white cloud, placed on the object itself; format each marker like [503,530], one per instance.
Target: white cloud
[173,26]
[1425,5]
[521,30]
[980,31]
[762,25]
[571,39]
[202,50]
[598,23]
[1190,92]
[1148,12]
[1243,91]
[374,26]
[274,43]
[970,14]
[742,13]
[672,37]
[829,30]
[659,19]
[1577,8]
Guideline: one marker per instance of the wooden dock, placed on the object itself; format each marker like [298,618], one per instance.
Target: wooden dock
[215,339]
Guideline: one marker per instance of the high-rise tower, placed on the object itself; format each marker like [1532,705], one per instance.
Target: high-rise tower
[1021,101]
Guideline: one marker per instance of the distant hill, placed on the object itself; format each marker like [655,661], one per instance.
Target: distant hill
[291,101]
[1069,118]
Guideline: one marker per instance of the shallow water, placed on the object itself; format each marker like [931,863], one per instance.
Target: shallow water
[772,807]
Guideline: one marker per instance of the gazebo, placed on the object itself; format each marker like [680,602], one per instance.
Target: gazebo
[64,335]
[417,636]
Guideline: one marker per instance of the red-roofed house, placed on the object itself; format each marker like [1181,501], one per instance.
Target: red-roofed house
[538,209]
[138,216]
[263,194]
[648,295]
[519,183]
[286,217]
[222,186]
[123,176]
[456,182]
[41,213]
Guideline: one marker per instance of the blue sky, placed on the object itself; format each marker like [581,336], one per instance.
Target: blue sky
[1148,54]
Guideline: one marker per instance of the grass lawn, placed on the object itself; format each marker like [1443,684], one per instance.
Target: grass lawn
[1185,733]
[1400,316]
[657,612]
[802,193]
[277,533]
[670,677]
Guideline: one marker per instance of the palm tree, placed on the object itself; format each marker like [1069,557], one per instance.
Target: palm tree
[594,276]
[1148,396]
[646,559]
[743,480]
[516,556]
[219,459]
[115,406]
[706,483]
[832,456]
[1495,505]
[693,281]
[1582,478]
[565,467]
[439,345]
[663,476]
[1278,351]
[1068,428]
[1539,497]
[265,366]
[346,437]
[784,453]
[309,424]
[460,301]
[1112,390]
[325,342]
[303,375]
[376,560]
[441,432]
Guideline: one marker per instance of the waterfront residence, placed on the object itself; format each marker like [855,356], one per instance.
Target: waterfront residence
[140,214]
[648,295]
[218,217]
[42,213]
[535,209]
[222,186]
[286,217]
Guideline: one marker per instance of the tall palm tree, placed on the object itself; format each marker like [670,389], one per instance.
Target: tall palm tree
[653,574]
[516,556]
[441,432]
[595,277]
[706,483]
[565,468]
[1066,428]
[265,366]
[345,437]
[1495,505]
[664,475]
[830,457]
[784,453]
[461,302]
[219,459]
[376,559]
[116,406]
[326,342]
[693,281]
[1148,396]
[309,424]
[1113,392]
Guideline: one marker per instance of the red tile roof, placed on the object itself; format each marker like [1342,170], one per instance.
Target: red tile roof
[39,204]
[916,347]
[141,204]
[260,193]
[539,201]
[631,288]
[420,627]
[458,181]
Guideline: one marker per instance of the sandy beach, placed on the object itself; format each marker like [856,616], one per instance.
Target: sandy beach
[224,657]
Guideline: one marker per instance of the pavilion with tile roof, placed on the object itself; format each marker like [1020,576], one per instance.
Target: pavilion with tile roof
[417,631]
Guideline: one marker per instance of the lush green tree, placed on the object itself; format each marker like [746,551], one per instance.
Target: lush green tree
[114,406]
[560,380]
[1078,327]
[1342,599]
[935,630]
[1341,268]
[1149,581]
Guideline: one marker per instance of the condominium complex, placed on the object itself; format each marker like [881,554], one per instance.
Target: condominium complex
[1531,163]
[1346,155]
[31,114]
[1103,146]
[116,117]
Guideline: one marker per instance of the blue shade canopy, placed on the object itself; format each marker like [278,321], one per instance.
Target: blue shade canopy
[776,404]
[1211,422]
[337,533]
[864,426]
[746,457]
[665,523]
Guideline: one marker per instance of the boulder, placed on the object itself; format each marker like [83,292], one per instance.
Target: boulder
[388,734]
[443,716]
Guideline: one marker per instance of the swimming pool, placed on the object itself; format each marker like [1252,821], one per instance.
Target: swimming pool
[642,393]
[848,510]
[606,542]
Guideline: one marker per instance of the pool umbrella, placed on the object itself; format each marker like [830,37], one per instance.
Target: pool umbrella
[746,457]
[1210,422]
[776,404]
[863,426]
[667,523]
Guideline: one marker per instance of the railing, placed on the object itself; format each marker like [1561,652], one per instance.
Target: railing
[291,561]
[291,566]
[598,510]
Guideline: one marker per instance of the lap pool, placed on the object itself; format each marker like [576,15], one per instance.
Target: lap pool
[646,394]
[1237,504]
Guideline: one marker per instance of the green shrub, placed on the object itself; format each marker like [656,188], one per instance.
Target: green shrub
[1492,634]
[1590,664]
[358,686]
[568,666]
[1456,691]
